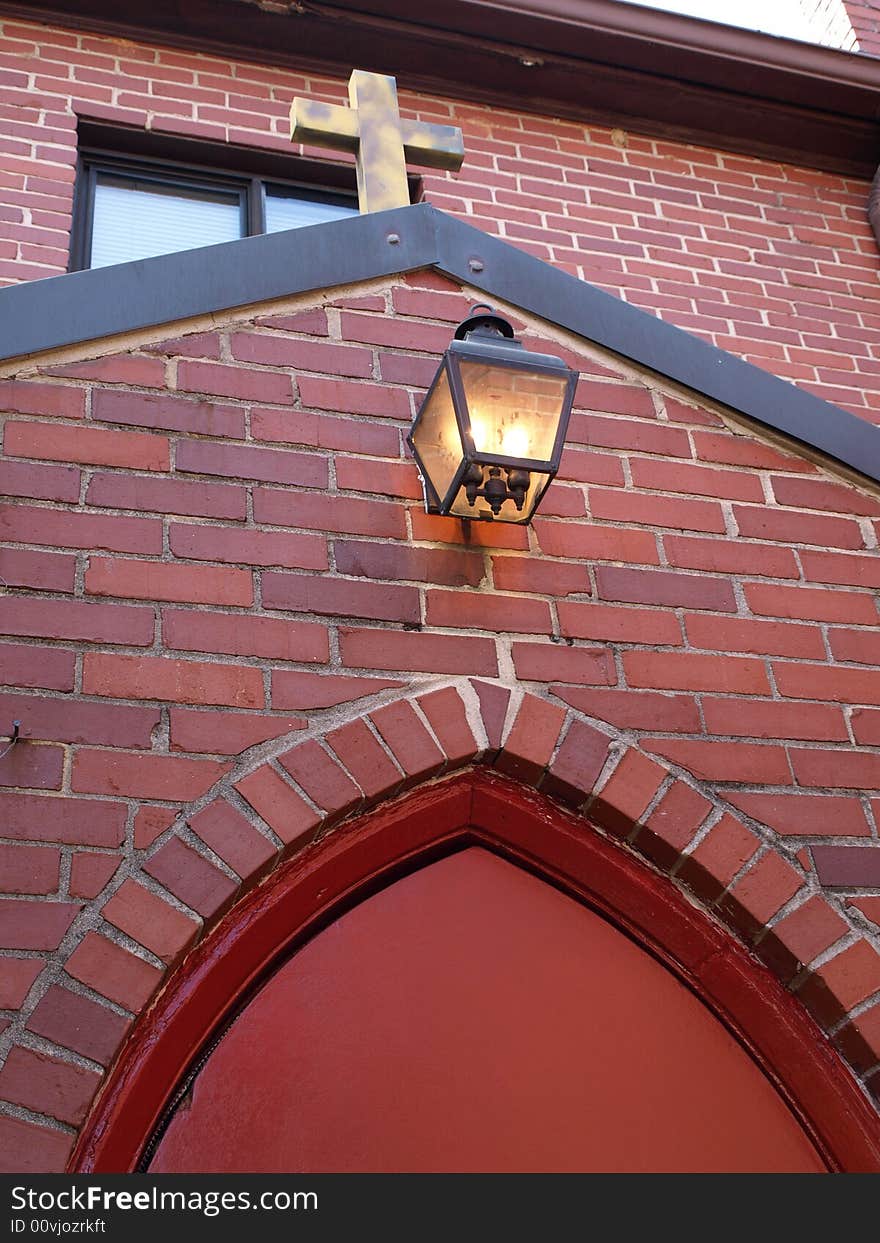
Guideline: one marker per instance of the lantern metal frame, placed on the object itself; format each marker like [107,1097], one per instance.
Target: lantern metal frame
[488,339]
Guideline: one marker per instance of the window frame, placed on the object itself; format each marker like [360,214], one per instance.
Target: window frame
[335,184]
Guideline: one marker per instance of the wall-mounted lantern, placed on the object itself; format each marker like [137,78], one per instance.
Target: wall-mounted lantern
[489,435]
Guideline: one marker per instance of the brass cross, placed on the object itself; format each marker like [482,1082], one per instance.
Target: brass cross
[383,141]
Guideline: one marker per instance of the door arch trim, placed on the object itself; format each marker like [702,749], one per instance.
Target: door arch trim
[475,807]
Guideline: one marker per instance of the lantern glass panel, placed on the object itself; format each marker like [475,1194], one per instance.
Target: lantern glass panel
[509,512]
[513,412]
[436,436]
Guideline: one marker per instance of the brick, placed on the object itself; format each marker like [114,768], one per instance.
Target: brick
[161,777]
[273,350]
[657,511]
[156,580]
[842,982]
[496,613]
[28,665]
[230,836]
[696,672]
[383,330]
[312,321]
[31,925]
[728,634]
[788,527]
[665,588]
[192,345]
[80,1024]
[325,431]
[710,868]
[615,399]
[56,443]
[746,718]
[33,766]
[150,920]
[349,397]
[447,566]
[179,681]
[622,801]
[133,369]
[804,815]
[40,483]
[752,763]
[595,543]
[338,597]
[342,514]
[532,739]
[29,869]
[323,780]
[649,437]
[644,710]
[836,769]
[64,401]
[581,467]
[811,604]
[859,1040]
[848,867]
[226,733]
[622,625]
[91,872]
[577,764]
[150,823]
[858,646]
[26,524]
[270,637]
[237,382]
[16,979]
[60,720]
[76,620]
[307,552]
[835,684]
[406,737]
[494,701]
[728,556]
[736,450]
[866,726]
[793,942]
[363,756]
[662,476]
[29,1149]
[191,878]
[843,569]
[760,893]
[243,462]
[113,971]
[820,494]
[396,650]
[303,691]
[672,825]
[171,413]
[547,662]
[445,712]
[167,496]
[41,571]
[285,812]
[542,578]
[439,530]
[82,822]
[398,479]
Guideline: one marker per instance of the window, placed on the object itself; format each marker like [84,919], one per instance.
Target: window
[133,208]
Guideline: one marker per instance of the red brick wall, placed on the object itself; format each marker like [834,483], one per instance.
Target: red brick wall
[772,262]
[865,18]
[215,547]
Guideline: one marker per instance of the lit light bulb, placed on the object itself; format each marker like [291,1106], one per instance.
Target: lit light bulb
[515,441]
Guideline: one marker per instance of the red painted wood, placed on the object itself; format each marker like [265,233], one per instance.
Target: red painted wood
[318,883]
[472,1017]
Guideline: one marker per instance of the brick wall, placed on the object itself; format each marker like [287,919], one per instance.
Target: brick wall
[775,263]
[215,547]
[865,18]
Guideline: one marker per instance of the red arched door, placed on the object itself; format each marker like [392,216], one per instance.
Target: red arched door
[472,1017]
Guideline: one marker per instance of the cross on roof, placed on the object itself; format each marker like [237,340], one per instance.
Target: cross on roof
[383,141]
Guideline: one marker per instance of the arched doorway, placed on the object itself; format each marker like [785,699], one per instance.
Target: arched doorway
[473,933]
[471,1017]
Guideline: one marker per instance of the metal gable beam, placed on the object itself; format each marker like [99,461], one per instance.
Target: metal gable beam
[42,315]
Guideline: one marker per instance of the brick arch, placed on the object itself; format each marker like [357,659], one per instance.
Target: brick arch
[250,823]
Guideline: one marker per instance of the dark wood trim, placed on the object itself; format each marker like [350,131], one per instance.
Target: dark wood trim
[597,61]
[267,925]
[84,306]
